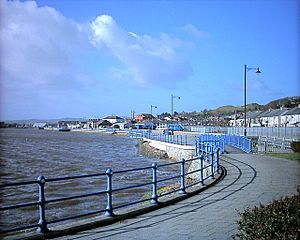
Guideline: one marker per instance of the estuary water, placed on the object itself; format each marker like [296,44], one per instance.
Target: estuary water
[28,153]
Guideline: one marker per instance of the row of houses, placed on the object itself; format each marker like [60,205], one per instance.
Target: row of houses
[95,123]
[271,118]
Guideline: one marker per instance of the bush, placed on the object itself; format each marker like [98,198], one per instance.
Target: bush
[295,146]
[278,220]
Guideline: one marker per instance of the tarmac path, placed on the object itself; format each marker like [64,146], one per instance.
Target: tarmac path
[250,180]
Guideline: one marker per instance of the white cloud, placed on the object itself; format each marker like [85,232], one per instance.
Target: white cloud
[40,58]
[147,60]
[37,45]
[195,32]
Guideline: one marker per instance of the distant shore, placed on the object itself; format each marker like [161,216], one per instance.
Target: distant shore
[102,131]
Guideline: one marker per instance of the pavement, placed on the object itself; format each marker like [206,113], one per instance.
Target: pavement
[251,180]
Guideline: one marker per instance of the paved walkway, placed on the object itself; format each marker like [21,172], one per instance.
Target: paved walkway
[251,180]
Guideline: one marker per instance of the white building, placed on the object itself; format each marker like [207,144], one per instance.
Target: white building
[291,118]
[114,119]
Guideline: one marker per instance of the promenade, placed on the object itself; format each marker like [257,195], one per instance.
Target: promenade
[250,180]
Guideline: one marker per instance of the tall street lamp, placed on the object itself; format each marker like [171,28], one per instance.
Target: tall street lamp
[172,104]
[152,106]
[245,94]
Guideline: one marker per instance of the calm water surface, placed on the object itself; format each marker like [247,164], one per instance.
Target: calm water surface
[28,153]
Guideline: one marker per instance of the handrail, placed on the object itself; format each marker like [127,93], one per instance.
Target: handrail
[220,140]
[174,139]
[210,155]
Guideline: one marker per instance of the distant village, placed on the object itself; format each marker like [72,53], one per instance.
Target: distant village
[283,117]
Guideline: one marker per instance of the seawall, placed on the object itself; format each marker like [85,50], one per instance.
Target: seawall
[173,151]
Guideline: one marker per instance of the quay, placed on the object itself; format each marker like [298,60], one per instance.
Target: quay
[250,180]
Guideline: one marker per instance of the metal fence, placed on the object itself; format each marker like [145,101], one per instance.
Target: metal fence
[220,140]
[153,180]
[268,144]
[278,132]
[174,139]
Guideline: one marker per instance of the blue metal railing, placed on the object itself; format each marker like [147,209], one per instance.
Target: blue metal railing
[215,140]
[221,140]
[239,142]
[174,139]
[206,153]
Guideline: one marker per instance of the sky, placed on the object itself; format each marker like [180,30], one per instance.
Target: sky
[88,58]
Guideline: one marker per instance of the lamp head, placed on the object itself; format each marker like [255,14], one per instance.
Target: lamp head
[258,72]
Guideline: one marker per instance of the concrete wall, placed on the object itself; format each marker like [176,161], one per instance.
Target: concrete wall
[177,152]
[174,151]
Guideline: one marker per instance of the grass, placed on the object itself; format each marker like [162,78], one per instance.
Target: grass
[291,156]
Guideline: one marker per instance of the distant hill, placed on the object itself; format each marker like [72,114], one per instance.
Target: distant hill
[32,121]
[232,109]
[288,102]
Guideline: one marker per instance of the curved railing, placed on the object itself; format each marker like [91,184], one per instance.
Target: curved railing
[206,154]
[174,139]
[220,140]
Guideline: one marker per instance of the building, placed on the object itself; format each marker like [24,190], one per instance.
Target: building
[93,123]
[144,117]
[39,125]
[104,124]
[69,124]
[114,119]
[291,118]
[252,118]
[272,118]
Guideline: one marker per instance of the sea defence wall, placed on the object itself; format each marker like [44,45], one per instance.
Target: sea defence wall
[177,152]
[174,151]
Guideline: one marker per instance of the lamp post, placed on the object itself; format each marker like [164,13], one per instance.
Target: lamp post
[152,106]
[245,94]
[172,104]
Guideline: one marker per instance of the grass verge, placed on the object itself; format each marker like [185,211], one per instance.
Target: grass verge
[291,156]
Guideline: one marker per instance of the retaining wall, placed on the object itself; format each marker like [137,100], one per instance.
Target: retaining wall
[177,152]
[174,151]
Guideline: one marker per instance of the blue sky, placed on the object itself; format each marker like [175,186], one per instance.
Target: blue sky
[88,58]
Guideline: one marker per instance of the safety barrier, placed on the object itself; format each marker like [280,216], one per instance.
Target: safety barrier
[174,139]
[212,139]
[206,153]
[267,144]
[220,140]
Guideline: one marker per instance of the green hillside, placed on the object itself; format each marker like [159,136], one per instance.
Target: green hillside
[288,102]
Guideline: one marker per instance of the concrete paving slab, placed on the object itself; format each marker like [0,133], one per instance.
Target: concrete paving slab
[251,180]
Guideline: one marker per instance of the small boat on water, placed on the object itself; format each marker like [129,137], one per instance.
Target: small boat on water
[64,129]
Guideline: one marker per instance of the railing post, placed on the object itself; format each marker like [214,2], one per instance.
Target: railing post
[217,159]
[154,183]
[182,176]
[212,163]
[109,208]
[42,228]
[201,169]
[250,146]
